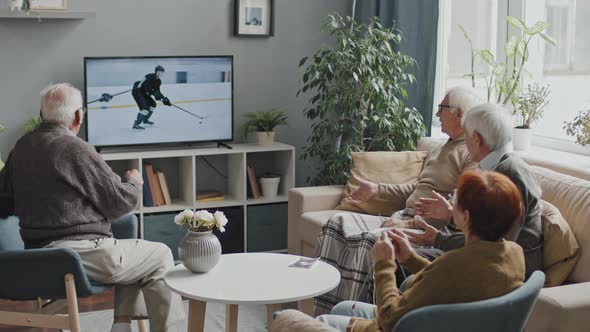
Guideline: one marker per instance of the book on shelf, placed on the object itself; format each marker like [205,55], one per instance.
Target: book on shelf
[211,199]
[206,194]
[154,185]
[254,190]
[147,194]
[209,196]
[159,191]
[164,187]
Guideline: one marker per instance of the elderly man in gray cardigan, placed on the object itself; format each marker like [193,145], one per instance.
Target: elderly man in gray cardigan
[65,195]
[488,129]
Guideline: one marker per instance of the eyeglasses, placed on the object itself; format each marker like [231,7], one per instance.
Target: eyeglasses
[441,106]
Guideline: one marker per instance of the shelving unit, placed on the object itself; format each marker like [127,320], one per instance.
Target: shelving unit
[48,14]
[190,170]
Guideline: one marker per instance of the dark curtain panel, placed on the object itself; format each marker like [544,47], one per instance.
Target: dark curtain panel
[418,22]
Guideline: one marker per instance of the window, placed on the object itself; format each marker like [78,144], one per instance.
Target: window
[565,68]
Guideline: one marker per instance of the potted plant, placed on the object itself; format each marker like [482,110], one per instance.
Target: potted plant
[263,123]
[200,249]
[356,92]
[270,184]
[579,127]
[503,79]
[531,105]
[33,123]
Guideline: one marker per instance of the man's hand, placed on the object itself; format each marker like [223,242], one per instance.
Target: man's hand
[166,101]
[105,97]
[134,174]
[383,249]
[428,238]
[401,244]
[363,193]
[434,208]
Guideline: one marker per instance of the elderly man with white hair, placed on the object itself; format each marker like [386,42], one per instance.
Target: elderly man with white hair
[66,196]
[488,134]
[347,238]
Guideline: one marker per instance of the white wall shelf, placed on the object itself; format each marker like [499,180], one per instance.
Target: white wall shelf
[48,14]
[190,170]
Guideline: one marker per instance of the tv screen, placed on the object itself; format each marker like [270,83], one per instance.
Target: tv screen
[154,100]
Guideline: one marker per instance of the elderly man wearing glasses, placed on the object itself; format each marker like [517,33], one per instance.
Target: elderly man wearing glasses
[346,239]
[488,133]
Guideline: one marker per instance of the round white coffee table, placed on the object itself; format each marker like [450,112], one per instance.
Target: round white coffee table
[250,278]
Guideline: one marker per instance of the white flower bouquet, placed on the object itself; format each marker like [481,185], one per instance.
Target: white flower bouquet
[201,220]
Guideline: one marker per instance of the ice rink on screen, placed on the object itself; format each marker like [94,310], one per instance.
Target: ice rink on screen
[110,123]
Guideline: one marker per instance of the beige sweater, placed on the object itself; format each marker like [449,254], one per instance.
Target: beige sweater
[479,271]
[440,172]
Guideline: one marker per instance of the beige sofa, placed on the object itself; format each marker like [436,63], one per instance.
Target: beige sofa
[559,309]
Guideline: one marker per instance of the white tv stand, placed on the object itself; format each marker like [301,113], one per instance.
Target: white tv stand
[187,170]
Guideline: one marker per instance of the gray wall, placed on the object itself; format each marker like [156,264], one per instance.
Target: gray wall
[34,54]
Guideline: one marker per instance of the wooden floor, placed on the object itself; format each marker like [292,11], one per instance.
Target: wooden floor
[98,302]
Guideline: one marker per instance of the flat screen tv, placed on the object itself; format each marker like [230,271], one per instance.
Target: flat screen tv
[158,100]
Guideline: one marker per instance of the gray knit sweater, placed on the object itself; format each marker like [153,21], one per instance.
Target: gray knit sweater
[63,189]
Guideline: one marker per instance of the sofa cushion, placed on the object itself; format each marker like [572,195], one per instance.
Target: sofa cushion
[312,223]
[561,309]
[561,250]
[572,197]
[295,321]
[381,167]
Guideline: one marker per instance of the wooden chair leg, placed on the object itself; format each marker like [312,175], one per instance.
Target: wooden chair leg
[142,325]
[72,299]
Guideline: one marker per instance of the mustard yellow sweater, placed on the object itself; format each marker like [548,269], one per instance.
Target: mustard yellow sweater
[479,271]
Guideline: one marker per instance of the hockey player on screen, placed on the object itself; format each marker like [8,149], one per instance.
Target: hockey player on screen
[142,93]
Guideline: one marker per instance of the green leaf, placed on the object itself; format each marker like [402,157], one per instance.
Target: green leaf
[465,34]
[548,39]
[302,61]
[516,22]
[487,56]
[536,28]
[510,47]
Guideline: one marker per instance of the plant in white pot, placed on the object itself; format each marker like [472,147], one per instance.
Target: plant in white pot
[579,127]
[263,123]
[531,105]
[270,184]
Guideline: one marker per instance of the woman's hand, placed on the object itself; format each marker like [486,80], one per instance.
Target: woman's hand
[434,208]
[383,249]
[428,238]
[401,244]
[363,193]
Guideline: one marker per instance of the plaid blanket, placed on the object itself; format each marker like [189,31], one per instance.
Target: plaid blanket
[345,243]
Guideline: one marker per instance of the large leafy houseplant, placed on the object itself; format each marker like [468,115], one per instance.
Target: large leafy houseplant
[503,79]
[357,92]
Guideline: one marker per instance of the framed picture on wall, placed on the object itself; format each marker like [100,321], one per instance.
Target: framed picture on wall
[48,4]
[254,18]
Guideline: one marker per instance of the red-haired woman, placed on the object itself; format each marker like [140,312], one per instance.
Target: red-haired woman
[486,206]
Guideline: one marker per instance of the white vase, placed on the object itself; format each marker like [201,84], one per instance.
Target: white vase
[521,138]
[270,186]
[265,138]
[199,251]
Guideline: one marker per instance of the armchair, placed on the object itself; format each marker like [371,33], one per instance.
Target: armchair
[507,313]
[56,274]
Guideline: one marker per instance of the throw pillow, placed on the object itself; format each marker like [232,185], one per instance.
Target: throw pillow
[561,250]
[295,321]
[381,167]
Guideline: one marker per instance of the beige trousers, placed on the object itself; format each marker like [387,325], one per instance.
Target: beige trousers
[137,268]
